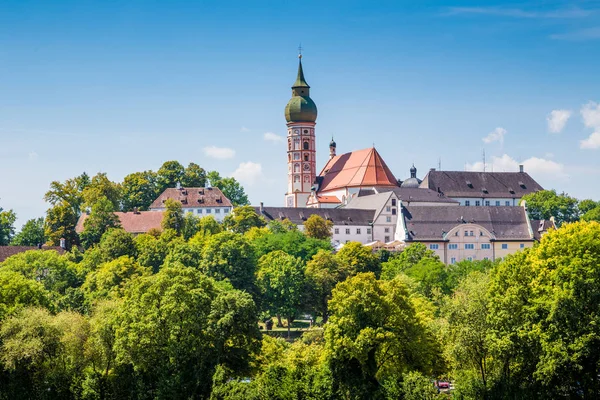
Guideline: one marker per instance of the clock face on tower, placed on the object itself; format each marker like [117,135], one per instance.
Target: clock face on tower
[306,167]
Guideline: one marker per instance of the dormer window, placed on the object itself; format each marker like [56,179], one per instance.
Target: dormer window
[511,190]
[484,190]
[522,185]
[469,184]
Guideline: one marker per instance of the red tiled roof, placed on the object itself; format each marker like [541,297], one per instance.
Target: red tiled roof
[355,169]
[328,199]
[131,222]
[193,197]
[7,251]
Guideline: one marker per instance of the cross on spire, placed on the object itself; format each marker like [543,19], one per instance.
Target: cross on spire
[300,50]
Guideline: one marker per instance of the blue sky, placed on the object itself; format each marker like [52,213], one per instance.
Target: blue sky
[121,86]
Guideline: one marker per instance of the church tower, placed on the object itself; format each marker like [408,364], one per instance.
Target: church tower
[301,117]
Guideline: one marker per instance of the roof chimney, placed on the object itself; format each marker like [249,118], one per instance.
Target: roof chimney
[262,208]
[63,243]
[521,168]
[178,185]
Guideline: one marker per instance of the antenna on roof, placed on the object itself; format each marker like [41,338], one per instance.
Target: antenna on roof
[483,152]
[439,163]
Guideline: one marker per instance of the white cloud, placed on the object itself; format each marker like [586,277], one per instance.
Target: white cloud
[248,172]
[497,135]
[557,119]
[272,137]
[220,153]
[32,155]
[590,113]
[593,142]
[244,129]
[533,165]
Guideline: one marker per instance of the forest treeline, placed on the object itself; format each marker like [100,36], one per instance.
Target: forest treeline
[175,315]
[70,198]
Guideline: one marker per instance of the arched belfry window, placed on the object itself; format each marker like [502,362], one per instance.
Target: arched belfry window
[296,167]
[306,157]
[305,145]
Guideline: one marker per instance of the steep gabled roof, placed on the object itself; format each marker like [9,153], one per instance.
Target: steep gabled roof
[339,216]
[8,251]
[132,222]
[481,184]
[420,195]
[358,168]
[193,198]
[433,222]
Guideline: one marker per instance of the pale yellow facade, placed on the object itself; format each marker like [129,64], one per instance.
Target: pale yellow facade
[473,242]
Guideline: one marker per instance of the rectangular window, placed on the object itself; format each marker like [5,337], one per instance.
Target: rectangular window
[453,260]
[485,258]
[477,203]
[393,211]
[190,211]
[434,247]
[358,231]
[217,211]
[387,230]
[199,211]
[471,233]
[470,258]
[388,209]
[208,210]
[336,231]
[347,231]
[469,246]
[452,246]
[504,246]
[388,219]
[393,202]
[466,233]
[507,203]
[225,210]
[467,203]
[387,239]
[368,231]
[497,202]
[485,246]
[487,202]
[522,245]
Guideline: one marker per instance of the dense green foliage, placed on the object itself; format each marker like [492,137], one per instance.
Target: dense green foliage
[7,226]
[178,313]
[32,234]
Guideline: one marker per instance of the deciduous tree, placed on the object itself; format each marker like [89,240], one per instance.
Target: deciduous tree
[242,219]
[323,272]
[547,203]
[194,176]
[367,336]
[139,190]
[173,216]
[359,258]
[7,226]
[227,255]
[317,227]
[280,278]
[101,219]
[32,234]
